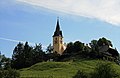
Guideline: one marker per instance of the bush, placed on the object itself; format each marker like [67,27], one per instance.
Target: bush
[104,70]
[80,74]
[10,73]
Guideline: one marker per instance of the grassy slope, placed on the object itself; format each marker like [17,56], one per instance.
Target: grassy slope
[61,69]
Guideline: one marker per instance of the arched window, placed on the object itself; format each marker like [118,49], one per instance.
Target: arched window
[55,38]
[61,41]
[55,42]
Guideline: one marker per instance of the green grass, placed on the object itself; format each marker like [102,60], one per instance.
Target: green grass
[61,69]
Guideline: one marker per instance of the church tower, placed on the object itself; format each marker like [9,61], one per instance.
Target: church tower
[58,45]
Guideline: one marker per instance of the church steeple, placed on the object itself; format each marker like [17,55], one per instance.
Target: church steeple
[57,26]
[58,32]
[58,44]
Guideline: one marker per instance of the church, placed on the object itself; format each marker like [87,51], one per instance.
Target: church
[58,43]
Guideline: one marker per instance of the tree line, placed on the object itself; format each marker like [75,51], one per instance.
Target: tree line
[5,68]
[96,49]
[25,55]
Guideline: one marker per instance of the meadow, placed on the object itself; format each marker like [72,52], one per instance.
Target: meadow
[61,69]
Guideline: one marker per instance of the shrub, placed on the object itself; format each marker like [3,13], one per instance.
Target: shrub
[104,70]
[10,73]
[80,74]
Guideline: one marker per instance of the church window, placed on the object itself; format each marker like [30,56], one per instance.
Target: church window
[55,38]
[61,41]
[55,42]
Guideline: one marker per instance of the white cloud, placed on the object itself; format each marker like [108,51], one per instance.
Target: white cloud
[11,40]
[105,10]
[16,41]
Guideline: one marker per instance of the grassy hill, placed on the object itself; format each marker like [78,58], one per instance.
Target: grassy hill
[61,69]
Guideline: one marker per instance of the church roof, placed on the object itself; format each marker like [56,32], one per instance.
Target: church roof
[58,32]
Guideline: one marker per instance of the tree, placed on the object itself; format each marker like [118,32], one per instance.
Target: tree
[70,48]
[10,73]
[104,41]
[25,55]
[49,52]
[49,49]
[28,55]
[100,48]
[38,54]
[104,70]
[78,46]
[0,60]
[80,74]
[18,58]
[68,51]
[5,63]
[114,53]
[22,56]
[94,45]
[86,51]
[74,48]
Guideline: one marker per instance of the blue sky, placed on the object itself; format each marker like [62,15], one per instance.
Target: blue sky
[35,20]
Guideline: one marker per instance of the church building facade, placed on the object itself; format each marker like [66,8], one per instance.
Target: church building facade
[58,44]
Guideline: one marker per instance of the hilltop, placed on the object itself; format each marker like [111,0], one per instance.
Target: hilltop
[62,69]
[34,62]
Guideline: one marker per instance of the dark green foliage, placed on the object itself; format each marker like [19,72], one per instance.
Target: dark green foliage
[18,58]
[78,46]
[56,56]
[49,49]
[70,48]
[81,74]
[25,55]
[74,48]
[10,73]
[52,56]
[5,63]
[114,52]
[38,54]
[104,41]
[86,52]
[97,49]
[104,70]
[101,49]
[94,45]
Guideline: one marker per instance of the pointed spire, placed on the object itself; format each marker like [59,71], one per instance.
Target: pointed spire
[57,26]
[58,32]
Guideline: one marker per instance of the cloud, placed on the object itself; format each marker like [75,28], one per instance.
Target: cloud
[105,10]
[16,41]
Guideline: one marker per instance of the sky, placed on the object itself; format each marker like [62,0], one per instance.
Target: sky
[35,21]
